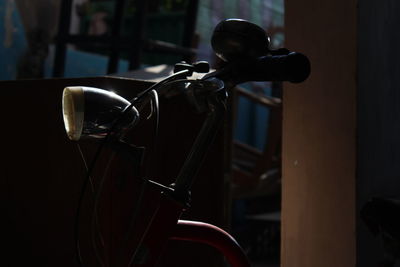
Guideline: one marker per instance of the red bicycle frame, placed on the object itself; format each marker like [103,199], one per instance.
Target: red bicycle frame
[165,225]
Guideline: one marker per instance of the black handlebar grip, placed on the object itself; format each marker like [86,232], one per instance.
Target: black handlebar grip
[293,67]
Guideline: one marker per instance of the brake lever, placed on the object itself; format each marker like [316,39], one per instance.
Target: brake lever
[199,67]
[154,106]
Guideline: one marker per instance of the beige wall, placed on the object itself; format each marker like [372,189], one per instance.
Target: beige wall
[319,137]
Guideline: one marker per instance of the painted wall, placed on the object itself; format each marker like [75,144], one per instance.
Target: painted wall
[319,137]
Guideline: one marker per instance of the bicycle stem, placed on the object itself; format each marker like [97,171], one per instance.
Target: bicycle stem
[217,106]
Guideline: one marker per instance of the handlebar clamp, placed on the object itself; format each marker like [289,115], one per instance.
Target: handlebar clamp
[200,92]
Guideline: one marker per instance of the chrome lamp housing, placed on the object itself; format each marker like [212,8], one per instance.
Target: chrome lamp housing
[93,113]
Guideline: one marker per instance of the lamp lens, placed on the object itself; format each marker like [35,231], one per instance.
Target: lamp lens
[73,111]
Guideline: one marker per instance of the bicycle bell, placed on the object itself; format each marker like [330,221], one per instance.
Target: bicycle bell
[235,39]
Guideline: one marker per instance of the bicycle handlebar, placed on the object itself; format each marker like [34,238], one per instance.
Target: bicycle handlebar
[292,67]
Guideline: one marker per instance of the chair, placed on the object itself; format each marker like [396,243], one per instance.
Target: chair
[255,172]
[116,43]
[256,184]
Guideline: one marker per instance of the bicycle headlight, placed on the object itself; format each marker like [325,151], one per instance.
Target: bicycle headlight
[92,112]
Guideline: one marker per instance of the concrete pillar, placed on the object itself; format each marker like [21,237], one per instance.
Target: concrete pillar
[319,137]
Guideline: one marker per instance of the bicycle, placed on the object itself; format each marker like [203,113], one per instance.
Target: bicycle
[100,114]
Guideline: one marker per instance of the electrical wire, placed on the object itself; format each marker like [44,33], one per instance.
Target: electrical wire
[132,259]
[88,179]
[80,202]
[175,76]
[94,219]
[95,222]
[96,197]
[155,110]
[86,166]
[183,73]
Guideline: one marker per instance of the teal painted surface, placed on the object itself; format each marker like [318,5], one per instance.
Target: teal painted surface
[252,120]
[230,8]
[255,12]
[12,40]
[83,64]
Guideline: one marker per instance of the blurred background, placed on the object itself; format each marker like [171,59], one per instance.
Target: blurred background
[167,30]
[87,38]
